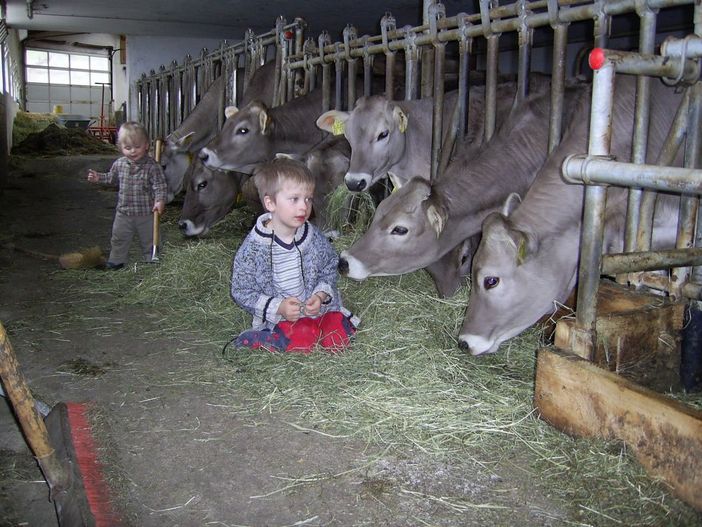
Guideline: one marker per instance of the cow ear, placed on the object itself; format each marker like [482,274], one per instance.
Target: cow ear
[511,203]
[185,141]
[436,213]
[264,120]
[396,182]
[400,118]
[526,247]
[230,111]
[333,121]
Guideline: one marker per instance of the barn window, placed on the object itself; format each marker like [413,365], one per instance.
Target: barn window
[70,82]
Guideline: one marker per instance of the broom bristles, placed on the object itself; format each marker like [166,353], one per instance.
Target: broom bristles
[84,259]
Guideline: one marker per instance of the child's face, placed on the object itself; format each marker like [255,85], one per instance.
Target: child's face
[291,207]
[135,149]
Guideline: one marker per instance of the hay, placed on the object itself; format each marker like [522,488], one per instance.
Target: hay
[404,384]
[349,212]
[26,123]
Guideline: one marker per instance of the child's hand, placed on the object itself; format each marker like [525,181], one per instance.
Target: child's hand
[159,206]
[93,176]
[314,304]
[289,309]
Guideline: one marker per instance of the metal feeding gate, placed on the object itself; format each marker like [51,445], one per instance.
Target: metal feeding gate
[620,326]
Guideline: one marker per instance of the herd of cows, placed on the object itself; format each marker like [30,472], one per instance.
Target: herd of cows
[500,211]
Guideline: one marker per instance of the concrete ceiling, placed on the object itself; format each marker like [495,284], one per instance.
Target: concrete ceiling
[217,19]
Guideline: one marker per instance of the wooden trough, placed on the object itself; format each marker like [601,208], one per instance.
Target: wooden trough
[590,399]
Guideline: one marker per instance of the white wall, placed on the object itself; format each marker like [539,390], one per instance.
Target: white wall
[149,53]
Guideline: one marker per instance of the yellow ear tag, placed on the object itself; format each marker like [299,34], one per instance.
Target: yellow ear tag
[338,127]
[403,125]
[239,199]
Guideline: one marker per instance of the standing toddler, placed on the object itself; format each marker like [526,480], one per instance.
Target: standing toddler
[142,191]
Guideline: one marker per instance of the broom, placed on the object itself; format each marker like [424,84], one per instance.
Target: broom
[64,449]
[84,259]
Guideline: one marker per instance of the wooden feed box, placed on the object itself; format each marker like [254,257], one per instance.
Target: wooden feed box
[584,399]
[638,336]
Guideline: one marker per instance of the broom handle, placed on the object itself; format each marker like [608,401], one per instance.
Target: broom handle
[155,233]
[32,425]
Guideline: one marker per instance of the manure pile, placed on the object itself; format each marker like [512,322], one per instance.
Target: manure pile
[58,141]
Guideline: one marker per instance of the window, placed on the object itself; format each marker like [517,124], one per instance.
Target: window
[66,68]
[71,81]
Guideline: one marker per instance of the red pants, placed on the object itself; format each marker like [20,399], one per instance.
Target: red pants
[332,331]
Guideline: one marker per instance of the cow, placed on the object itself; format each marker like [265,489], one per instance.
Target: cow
[202,124]
[420,222]
[209,196]
[256,133]
[527,259]
[394,137]
[211,193]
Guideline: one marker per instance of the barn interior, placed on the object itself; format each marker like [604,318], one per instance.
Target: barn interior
[595,420]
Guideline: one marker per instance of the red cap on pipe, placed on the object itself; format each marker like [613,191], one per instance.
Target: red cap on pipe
[289,35]
[597,58]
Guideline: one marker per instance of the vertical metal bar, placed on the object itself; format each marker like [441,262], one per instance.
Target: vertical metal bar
[689,204]
[411,58]
[697,103]
[326,72]
[525,35]
[339,76]
[668,153]
[367,69]
[602,24]
[387,24]
[464,49]
[351,63]
[593,214]
[435,14]
[493,50]
[647,37]
[427,79]
[560,43]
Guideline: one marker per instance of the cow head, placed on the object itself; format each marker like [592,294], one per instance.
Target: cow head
[175,161]
[449,271]
[515,280]
[403,236]
[376,131]
[209,196]
[243,141]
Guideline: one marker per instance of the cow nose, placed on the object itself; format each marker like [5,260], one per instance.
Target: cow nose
[463,345]
[204,156]
[356,186]
[182,225]
[343,266]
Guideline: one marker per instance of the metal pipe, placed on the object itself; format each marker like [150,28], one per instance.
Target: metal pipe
[464,49]
[593,170]
[525,36]
[411,60]
[560,43]
[349,35]
[438,110]
[491,67]
[367,70]
[427,74]
[326,72]
[613,264]
[387,26]
[641,64]
[666,156]
[338,78]
[593,211]
[647,37]
[689,205]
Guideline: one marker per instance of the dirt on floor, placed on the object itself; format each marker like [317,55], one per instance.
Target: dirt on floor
[181,454]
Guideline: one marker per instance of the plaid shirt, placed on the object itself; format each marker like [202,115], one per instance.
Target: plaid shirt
[140,184]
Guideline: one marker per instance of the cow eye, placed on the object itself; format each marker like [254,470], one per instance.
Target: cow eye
[382,135]
[490,281]
[201,185]
[399,230]
[242,131]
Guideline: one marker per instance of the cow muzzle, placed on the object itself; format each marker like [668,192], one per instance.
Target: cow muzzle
[343,266]
[356,182]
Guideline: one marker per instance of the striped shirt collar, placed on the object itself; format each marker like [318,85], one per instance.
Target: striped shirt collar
[266,234]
